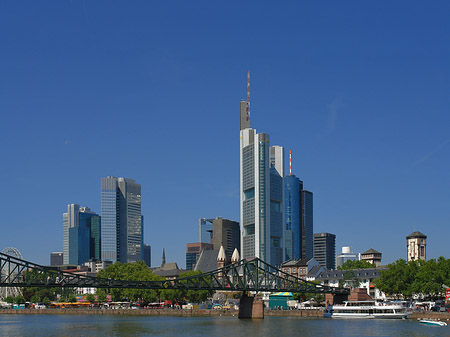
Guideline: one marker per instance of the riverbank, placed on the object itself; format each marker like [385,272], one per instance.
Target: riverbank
[443,316]
[157,312]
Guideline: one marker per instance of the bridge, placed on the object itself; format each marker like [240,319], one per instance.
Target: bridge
[246,275]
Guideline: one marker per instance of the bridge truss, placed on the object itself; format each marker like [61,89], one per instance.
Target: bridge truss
[253,275]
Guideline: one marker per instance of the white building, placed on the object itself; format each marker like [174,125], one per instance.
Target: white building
[416,244]
[346,255]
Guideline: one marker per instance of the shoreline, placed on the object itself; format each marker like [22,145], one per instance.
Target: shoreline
[193,313]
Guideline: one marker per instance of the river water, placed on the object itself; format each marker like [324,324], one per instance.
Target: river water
[113,325]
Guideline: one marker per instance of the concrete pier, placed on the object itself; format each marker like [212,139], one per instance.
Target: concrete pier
[251,307]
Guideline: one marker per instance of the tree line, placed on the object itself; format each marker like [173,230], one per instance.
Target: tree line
[422,279]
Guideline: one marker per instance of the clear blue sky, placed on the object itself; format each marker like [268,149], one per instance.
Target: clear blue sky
[360,91]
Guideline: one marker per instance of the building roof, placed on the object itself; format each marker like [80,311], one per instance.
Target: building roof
[359,273]
[207,261]
[370,251]
[416,234]
[221,256]
[315,270]
[235,256]
[295,263]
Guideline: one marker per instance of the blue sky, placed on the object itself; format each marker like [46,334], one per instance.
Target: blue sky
[360,91]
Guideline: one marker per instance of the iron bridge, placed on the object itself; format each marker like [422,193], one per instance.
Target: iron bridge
[245,275]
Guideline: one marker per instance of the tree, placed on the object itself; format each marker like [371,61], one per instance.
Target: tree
[19,299]
[134,272]
[101,295]
[355,264]
[397,279]
[46,301]
[10,299]
[72,298]
[195,296]
[35,299]
[90,298]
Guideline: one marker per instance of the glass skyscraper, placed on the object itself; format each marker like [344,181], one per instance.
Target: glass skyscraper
[80,234]
[121,229]
[292,241]
[261,194]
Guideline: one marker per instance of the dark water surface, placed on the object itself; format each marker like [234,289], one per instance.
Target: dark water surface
[105,325]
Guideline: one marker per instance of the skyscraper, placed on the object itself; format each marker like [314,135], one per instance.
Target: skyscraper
[292,187]
[121,230]
[80,234]
[261,193]
[325,250]
[307,234]
[226,234]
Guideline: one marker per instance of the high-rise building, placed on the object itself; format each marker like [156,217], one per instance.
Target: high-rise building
[416,244]
[226,234]
[79,244]
[205,229]
[306,227]
[193,251]
[346,255]
[325,250]
[56,259]
[148,255]
[261,193]
[292,238]
[121,229]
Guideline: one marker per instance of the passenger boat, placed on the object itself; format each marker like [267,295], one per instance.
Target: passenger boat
[432,322]
[366,309]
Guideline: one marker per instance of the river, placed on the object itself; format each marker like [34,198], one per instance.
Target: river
[113,325]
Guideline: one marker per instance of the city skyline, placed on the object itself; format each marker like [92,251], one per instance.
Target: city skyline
[358,93]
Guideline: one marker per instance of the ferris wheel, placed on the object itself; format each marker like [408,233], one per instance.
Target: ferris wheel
[10,291]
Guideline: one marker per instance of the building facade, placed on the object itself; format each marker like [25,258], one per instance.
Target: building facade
[193,251]
[346,255]
[148,255]
[372,256]
[325,250]
[80,234]
[292,234]
[226,234]
[261,194]
[307,225]
[416,245]
[56,259]
[122,221]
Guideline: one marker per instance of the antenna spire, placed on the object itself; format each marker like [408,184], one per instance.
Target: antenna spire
[290,162]
[248,95]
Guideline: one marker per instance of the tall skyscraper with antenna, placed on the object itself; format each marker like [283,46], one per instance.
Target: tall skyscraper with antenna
[261,192]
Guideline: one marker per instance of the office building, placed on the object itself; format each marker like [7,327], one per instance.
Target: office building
[79,245]
[292,239]
[346,255]
[325,250]
[193,251]
[307,228]
[205,229]
[148,255]
[226,234]
[261,193]
[122,221]
[416,244]
[56,259]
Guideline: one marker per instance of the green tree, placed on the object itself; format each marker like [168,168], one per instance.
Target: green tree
[131,271]
[90,298]
[101,295]
[10,299]
[72,298]
[398,278]
[19,299]
[46,301]
[355,264]
[35,299]
[195,296]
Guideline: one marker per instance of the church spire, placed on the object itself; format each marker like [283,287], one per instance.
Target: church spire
[163,258]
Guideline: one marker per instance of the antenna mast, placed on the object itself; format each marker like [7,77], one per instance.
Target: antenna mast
[248,95]
[290,162]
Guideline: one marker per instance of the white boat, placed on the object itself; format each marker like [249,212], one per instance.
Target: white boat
[432,322]
[367,309]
